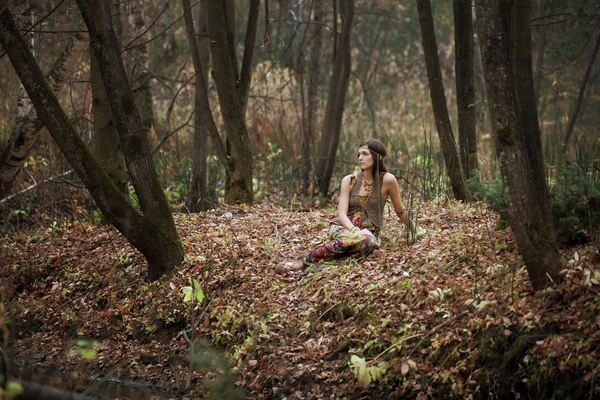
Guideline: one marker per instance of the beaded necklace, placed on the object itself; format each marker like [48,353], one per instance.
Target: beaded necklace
[368,186]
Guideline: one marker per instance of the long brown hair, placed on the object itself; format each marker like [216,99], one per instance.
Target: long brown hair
[378,152]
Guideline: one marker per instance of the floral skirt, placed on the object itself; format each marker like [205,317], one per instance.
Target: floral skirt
[344,244]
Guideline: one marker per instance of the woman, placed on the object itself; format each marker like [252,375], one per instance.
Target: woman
[355,232]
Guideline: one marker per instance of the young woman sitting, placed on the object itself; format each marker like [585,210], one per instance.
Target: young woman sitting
[355,232]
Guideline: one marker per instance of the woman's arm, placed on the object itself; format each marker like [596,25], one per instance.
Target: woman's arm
[390,185]
[344,203]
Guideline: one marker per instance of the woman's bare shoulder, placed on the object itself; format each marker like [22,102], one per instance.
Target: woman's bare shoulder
[349,179]
[388,177]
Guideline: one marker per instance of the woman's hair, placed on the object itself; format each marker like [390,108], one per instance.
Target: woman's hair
[378,152]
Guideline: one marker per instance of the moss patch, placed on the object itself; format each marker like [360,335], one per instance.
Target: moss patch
[128,104]
[505,135]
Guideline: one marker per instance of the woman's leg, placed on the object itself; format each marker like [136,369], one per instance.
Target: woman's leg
[343,244]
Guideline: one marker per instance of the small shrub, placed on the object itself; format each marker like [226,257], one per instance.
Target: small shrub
[575,197]
[492,193]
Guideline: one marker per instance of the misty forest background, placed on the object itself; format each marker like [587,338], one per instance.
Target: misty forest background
[388,97]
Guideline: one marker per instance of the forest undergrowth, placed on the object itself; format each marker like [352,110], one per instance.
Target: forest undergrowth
[448,313]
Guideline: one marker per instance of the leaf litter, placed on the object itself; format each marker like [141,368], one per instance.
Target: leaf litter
[450,313]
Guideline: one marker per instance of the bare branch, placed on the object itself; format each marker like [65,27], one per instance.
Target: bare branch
[151,25]
[161,33]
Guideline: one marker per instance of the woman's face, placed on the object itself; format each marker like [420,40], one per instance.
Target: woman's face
[365,159]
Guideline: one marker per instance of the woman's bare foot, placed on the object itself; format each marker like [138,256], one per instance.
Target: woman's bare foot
[284,267]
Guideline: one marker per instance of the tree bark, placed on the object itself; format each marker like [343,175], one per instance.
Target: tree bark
[312,99]
[140,77]
[532,229]
[527,101]
[200,50]
[481,112]
[249,50]
[336,98]
[133,138]
[207,120]
[579,102]
[106,146]
[438,101]
[27,126]
[231,32]
[541,48]
[465,84]
[238,187]
[162,249]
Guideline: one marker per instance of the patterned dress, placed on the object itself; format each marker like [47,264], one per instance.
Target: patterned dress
[344,244]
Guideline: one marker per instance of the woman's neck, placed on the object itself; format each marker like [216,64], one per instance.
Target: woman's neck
[368,174]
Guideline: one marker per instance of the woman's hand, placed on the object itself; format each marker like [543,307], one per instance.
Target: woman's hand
[403,215]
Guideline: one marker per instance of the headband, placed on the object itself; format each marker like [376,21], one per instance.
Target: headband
[372,151]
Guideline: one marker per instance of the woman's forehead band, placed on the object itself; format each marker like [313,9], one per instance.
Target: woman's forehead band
[371,150]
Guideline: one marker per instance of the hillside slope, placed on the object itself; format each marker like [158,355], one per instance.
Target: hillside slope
[451,315]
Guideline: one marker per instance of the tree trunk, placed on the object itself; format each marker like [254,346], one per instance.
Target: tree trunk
[203,111]
[579,102]
[312,100]
[133,138]
[481,112]
[27,126]
[465,84]
[239,185]
[200,50]
[162,249]
[140,77]
[541,48]
[106,146]
[438,101]
[231,32]
[336,98]
[532,229]
[527,101]
[249,50]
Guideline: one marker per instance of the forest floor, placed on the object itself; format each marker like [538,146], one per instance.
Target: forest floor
[450,315]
